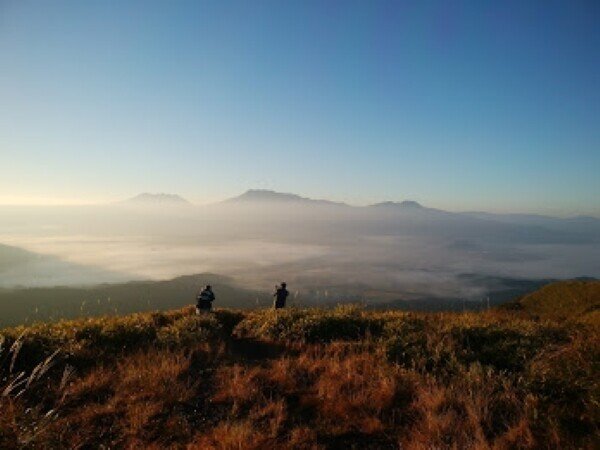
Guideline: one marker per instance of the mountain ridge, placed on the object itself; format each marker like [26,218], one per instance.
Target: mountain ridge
[405,204]
[264,196]
[267,195]
[161,198]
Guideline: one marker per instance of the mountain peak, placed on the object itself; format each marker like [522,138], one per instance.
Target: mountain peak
[410,204]
[266,195]
[147,198]
[406,204]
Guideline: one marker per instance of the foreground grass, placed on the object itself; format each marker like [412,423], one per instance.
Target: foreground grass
[295,379]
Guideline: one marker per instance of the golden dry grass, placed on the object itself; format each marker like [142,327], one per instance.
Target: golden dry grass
[309,379]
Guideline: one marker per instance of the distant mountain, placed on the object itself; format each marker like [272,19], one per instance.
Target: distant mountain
[157,199]
[268,196]
[578,223]
[410,217]
[406,204]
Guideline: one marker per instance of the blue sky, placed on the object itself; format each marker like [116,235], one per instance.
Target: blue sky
[459,105]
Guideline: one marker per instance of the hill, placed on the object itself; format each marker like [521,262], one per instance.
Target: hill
[302,379]
[27,305]
[561,300]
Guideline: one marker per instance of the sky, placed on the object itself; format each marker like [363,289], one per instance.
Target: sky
[458,104]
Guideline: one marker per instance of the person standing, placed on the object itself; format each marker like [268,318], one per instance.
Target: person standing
[204,300]
[281,294]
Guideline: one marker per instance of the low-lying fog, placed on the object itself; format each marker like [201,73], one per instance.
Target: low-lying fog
[384,252]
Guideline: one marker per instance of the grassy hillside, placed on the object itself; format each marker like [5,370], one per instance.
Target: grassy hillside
[561,300]
[302,379]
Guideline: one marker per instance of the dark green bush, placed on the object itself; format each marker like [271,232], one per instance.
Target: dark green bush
[501,347]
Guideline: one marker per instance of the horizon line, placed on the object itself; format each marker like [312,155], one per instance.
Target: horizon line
[73,202]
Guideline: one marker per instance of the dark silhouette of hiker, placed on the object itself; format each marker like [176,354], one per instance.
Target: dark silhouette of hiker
[280,295]
[204,300]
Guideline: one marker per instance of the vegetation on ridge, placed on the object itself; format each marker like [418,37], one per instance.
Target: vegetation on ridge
[561,300]
[302,378]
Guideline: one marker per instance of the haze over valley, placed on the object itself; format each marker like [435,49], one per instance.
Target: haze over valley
[390,253]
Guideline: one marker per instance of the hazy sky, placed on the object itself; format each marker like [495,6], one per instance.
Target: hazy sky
[460,105]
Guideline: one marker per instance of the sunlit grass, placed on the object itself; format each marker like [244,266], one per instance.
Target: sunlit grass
[302,378]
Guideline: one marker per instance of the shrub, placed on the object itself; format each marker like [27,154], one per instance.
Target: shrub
[342,323]
[414,343]
[565,381]
[190,329]
[504,348]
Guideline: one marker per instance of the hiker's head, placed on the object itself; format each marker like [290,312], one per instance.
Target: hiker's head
[283,284]
[208,287]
